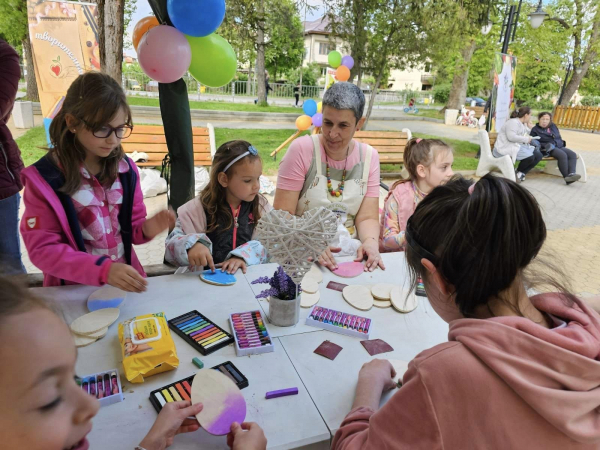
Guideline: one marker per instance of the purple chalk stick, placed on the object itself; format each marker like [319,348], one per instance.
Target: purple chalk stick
[282,393]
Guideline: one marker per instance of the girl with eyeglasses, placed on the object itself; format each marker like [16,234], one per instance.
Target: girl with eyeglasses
[84,206]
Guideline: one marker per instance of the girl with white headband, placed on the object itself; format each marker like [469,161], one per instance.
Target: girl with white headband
[217,227]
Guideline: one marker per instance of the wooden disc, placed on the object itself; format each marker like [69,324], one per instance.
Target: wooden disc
[359,297]
[309,286]
[95,321]
[400,302]
[349,269]
[98,334]
[400,367]
[382,303]
[382,291]
[106,297]
[223,402]
[218,278]
[83,341]
[307,300]
[315,273]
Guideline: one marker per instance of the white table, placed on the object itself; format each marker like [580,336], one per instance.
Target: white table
[326,388]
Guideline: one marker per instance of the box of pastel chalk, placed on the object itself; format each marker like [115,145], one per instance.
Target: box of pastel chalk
[201,333]
[105,386]
[251,334]
[339,322]
[182,389]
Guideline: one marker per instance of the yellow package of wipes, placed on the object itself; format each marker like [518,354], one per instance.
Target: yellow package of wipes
[147,347]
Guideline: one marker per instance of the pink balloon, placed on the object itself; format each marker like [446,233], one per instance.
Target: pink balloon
[164,54]
[317,120]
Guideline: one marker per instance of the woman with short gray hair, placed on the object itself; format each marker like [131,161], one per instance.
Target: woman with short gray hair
[334,171]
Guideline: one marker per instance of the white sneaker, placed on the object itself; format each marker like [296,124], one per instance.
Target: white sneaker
[520,177]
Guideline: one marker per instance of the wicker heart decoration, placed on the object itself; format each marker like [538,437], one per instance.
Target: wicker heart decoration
[292,241]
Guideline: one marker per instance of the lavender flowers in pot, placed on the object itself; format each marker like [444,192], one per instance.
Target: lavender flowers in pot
[284,298]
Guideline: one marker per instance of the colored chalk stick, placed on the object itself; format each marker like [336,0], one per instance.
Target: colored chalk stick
[281,393]
[198,363]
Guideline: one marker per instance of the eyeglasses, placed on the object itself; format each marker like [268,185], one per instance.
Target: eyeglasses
[122,132]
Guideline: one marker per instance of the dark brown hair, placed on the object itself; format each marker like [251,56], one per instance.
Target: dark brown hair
[213,196]
[421,152]
[95,98]
[16,299]
[481,242]
[521,112]
[544,113]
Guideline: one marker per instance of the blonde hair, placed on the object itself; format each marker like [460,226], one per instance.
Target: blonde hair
[421,152]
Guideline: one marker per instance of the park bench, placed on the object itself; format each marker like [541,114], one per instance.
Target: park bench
[151,140]
[487,161]
[477,109]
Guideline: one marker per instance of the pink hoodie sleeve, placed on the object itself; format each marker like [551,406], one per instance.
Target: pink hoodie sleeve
[48,247]
[138,216]
[406,421]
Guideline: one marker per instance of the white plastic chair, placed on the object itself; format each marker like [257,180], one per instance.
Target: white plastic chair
[488,163]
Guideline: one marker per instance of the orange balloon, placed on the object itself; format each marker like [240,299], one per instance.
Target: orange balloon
[141,28]
[342,73]
[303,122]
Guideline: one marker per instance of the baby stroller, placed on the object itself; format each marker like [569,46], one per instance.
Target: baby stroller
[467,118]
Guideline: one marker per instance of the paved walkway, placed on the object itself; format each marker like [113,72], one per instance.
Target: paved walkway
[572,213]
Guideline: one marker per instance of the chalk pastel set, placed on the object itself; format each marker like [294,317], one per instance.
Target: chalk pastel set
[339,322]
[200,332]
[251,334]
[182,389]
[105,386]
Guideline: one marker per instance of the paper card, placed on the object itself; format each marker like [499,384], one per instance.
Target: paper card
[328,350]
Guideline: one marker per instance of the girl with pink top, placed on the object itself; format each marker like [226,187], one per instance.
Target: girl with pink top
[84,208]
[518,372]
[429,164]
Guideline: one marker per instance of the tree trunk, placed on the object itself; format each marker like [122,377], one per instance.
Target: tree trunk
[113,38]
[573,85]
[101,36]
[374,94]
[32,87]
[458,93]
[260,54]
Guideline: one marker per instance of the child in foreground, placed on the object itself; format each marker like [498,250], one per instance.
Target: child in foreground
[217,227]
[41,405]
[518,372]
[429,164]
[84,208]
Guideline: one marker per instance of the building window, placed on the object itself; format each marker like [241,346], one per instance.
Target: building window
[323,71]
[427,67]
[323,48]
[305,52]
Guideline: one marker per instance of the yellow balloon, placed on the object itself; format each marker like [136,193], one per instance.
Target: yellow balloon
[303,122]
[320,107]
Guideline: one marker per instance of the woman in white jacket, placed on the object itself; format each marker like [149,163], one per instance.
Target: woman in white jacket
[514,140]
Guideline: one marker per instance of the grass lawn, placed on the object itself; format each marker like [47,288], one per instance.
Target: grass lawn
[433,113]
[220,106]
[264,140]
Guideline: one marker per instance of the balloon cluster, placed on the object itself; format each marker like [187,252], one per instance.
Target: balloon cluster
[165,53]
[312,115]
[341,64]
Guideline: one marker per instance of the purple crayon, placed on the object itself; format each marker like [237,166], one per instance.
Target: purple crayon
[367,325]
[281,393]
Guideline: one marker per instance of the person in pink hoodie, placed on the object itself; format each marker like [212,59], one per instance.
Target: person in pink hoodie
[429,164]
[84,207]
[518,371]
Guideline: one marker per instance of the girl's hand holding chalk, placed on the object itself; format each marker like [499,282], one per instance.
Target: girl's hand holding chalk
[199,255]
[125,277]
[162,221]
[174,419]
[247,436]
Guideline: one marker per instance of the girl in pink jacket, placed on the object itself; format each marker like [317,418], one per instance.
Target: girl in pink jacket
[517,372]
[84,207]
[429,164]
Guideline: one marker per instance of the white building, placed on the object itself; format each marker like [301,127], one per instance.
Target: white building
[317,46]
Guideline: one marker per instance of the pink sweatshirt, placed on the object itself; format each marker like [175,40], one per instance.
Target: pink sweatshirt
[501,383]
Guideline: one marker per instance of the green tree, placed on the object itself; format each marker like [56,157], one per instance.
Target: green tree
[310,75]
[284,40]
[590,85]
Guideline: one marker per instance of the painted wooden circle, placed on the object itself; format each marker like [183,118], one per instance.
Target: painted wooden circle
[358,296]
[307,300]
[309,286]
[106,297]
[95,321]
[349,269]
[400,302]
[381,291]
[222,400]
[218,278]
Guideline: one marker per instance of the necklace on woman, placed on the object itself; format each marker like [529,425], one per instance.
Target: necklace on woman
[340,190]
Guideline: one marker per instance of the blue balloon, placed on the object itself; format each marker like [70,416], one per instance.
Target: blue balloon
[310,107]
[197,18]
